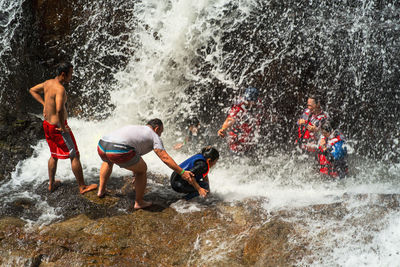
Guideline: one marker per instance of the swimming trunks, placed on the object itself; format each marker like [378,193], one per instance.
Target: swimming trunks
[120,154]
[62,144]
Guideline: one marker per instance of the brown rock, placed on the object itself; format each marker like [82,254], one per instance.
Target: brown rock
[269,245]
[54,21]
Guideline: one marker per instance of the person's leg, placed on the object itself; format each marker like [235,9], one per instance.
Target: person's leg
[105,172]
[77,170]
[140,171]
[52,168]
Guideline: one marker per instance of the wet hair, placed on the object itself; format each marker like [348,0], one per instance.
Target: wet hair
[316,98]
[63,67]
[210,153]
[193,121]
[319,100]
[154,123]
[327,127]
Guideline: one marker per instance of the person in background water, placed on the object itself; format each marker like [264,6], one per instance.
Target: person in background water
[243,122]
[193,135]
[58,135]
[332,152]
[199,165]
[309,124]
[125,147]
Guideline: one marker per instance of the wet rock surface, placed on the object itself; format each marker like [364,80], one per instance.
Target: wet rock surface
[92,231]
[18,132]
[109,232]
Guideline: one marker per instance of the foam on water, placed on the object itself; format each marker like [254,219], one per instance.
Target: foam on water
[153,84]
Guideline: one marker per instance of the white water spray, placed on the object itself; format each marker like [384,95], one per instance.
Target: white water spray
[168,36]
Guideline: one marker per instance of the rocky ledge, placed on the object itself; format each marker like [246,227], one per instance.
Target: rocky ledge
[173,232]
[203,232]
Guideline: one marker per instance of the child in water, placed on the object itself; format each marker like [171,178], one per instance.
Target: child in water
[332,152]
[199,165]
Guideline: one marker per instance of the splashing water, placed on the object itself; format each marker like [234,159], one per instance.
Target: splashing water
[180,53]
[10,12]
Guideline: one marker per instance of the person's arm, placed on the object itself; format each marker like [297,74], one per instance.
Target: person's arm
[301,121]
[60,108]
[226,125]
[199,168]
[36,91]
[163,155]
[202,192]
[304,118]
[207,181]
[322,143]
[311,127]
[180,145]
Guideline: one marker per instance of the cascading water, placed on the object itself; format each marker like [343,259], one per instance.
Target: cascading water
[10,12]
[179,58]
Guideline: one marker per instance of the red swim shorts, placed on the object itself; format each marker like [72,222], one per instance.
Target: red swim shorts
[62,144]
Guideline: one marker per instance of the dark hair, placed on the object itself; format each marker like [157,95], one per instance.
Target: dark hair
[210,153]
[63,67]
[317,98]
[154,123]
[193,121]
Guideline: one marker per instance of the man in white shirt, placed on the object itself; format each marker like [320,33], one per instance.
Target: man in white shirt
[125,147]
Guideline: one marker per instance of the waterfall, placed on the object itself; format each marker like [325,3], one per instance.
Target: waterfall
[10,16]
[174,59]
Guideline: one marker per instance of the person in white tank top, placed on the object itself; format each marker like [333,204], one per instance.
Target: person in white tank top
[125,147]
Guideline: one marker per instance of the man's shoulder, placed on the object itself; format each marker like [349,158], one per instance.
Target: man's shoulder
[144,129]
[53,85]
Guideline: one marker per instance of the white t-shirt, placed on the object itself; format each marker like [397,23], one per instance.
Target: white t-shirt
[142,138]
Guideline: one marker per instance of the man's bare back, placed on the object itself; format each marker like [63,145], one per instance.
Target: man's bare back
[55,97]
[54,94]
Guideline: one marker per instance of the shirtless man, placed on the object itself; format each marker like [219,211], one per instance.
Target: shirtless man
[58,135]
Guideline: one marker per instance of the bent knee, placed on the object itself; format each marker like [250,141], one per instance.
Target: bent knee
[141,169]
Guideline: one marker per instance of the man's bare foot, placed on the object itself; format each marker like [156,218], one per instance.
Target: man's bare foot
[86,188]
[102,194]
[54,185]
[142,205]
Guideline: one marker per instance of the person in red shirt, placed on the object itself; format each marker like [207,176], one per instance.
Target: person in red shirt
[243,122]
[309,124]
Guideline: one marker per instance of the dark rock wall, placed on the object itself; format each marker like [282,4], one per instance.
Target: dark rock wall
[34,49]
[49,32]
[18,132]
[80,31]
